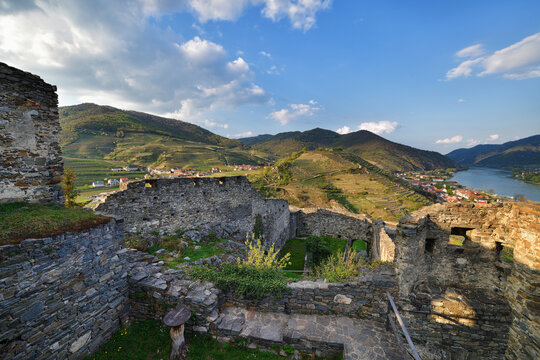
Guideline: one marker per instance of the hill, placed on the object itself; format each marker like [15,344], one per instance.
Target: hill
[102,132]
[523,153]
[339,180]
[377,150]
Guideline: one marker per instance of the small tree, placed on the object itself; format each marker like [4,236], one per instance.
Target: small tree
[68,185]
[520,197]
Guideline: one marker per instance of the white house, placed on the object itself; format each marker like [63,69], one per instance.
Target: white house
[98,184]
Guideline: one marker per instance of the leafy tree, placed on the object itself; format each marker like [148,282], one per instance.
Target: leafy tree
[520,197]
[318,249]
[68,185]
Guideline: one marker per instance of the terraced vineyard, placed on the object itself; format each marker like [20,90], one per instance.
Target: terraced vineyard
[334,179]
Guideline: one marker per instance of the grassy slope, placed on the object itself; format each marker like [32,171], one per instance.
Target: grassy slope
[101,132]
[336,179]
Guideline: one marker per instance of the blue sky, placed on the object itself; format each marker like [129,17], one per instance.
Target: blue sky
[430,74]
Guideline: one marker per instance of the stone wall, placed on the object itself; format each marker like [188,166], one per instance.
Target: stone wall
[153,292]
[523,285]
[382,245]
[30,156]
[226,206]
[464,301]
[365,297]
[61,297]
[322,222]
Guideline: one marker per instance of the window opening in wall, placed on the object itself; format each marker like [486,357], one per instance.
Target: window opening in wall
[458,235]
[504,253]
[430,245]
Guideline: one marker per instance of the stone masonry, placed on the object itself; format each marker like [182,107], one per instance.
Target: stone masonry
[30,155]
[62,297]
[227,207]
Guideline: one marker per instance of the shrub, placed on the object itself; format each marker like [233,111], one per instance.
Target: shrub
[339,267]
[247,281]
[318,249]
[256,256]
[68,185]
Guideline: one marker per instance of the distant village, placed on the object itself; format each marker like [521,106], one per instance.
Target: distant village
[151,172]
[446,190]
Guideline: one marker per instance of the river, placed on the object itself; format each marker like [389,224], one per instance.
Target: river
[497,179]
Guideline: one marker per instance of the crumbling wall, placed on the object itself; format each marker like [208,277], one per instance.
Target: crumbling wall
[364,297]
[62,297]
[225,206]
[322,222]
[30,155]
[461,300]
[382,245]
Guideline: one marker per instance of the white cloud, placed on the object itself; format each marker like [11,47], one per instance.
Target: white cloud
[242,135]
[214,124]
[471,51]
[301,13]
[494,137]
[344,130]
[461,100]
[381,127]
[452,140]
[296,111]
[518,61]
[97,51]
[265,54]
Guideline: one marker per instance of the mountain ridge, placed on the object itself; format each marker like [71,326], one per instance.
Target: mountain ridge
[372,147]
[521,153]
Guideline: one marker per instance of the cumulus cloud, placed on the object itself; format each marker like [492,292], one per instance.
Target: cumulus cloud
[265,54]
[518,61]
[242,135]
[99,52]
[453,140]
[494,137]
[461,100]
[381,127]
[344,130]
[294,112]
[301,13]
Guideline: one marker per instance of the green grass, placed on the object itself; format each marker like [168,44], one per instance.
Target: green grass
[336,245]
[172,243]
[21,220]
[359,245]
[297,248]
[148,340]
[456,240]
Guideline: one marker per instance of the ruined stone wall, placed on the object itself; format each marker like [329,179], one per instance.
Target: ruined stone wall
[322,222]
[61,297]
[364,297]
[458,300]
[153,292]
[382,245]
[226,206]
[30,156]
[523,285]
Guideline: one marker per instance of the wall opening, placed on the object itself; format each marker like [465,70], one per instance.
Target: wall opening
[430,245]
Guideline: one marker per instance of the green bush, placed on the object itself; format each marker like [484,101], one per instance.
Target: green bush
[245,281]
[339,268]
[318,250]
